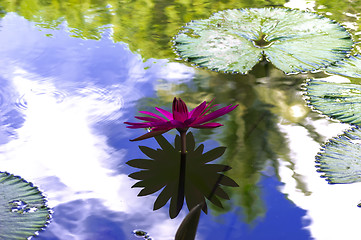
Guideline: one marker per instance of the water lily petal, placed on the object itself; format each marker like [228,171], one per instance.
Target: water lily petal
[180,118]
[149,119]
[196,112]
[215,114]
[165,113]
[180,110]
[177,124]
[137,125]
[209,107]
[153,115]
[162,128]
[207,125]
[161,124]
[149,135]
[189,121]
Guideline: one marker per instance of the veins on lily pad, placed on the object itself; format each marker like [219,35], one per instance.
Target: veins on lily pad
[162,171]
[341,101]
[339,160]
[235,40]
[349,67]
[23,208]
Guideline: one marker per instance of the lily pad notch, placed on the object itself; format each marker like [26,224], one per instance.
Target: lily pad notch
[236,40]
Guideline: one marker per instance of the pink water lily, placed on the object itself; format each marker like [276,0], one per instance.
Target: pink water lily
[180,118]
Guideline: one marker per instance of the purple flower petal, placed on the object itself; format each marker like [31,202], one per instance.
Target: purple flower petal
[165,113]
[180,110]
[139,126]
[198,110]
[164,126]
[180,118]
[215,114]
[189,121]
[149,135]
[153,115]
[208,108]
[135,124]
[149,119]
[207,125]
[177,124]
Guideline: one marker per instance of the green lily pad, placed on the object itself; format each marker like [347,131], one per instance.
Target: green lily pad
[23,210]
[235,40]
[349,67]
[201,179]
[341,101]
[340,160]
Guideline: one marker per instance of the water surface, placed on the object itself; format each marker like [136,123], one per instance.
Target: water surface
[72,73]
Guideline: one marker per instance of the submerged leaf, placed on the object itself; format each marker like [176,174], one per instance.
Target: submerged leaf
[341,101]
[340,160]
[23,210]
[237,39]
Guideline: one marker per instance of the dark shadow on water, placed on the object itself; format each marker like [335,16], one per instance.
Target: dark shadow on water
[201,180]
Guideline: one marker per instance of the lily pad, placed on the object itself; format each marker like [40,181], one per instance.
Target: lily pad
[341,101]
[23,210]
[235,40]
[201,179]
[349,67]
[340,160]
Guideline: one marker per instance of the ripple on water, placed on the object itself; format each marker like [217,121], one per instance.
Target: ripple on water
[11,118]
[101,104]
[21,103]
[97,103]
[33,95]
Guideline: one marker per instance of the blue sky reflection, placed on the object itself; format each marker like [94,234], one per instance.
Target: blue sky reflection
[66,90]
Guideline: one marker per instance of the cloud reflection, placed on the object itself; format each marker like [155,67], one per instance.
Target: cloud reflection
[65,98]
[331,209]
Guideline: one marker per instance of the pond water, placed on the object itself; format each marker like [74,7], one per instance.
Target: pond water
[72,72]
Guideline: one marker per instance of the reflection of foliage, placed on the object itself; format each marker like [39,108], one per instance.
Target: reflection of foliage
[23,210]
[251,134]
[345,12]
[235,40]
[147,26]
[163,169]
[85,19]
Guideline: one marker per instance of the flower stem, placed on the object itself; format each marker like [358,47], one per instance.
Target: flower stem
[183,135]
[182,171]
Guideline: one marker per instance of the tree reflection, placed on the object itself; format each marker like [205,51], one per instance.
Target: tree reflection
[254,140]
[201,180]
[146,26]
